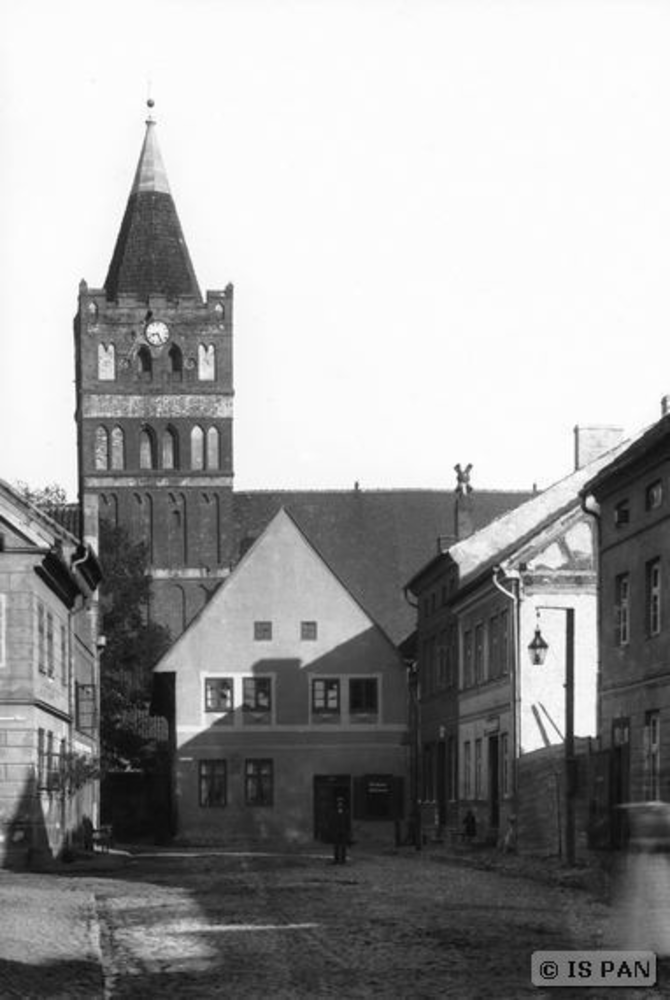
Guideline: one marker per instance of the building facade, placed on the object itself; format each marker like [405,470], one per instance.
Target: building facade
[286,695]
[49,688]
[631,500]
[485,710]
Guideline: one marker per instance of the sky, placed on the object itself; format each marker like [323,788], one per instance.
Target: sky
[447,223]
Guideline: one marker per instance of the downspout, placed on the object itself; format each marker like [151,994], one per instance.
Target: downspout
[414,706]
[591,507]
[514,595]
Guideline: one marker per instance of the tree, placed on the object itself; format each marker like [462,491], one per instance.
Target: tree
[133,644]
[45,497]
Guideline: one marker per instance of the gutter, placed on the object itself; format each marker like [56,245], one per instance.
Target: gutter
[514,595]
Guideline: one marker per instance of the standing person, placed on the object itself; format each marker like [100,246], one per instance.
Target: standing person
[340,831]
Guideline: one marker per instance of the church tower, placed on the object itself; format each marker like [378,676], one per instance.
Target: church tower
[154,378]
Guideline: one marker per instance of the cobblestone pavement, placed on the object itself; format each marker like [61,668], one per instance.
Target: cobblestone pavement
[49,943]
[395,925]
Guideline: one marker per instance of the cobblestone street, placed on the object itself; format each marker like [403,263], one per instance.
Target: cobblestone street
[236,925]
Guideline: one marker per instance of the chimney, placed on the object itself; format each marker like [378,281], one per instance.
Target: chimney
[665,406]
[464,523]
[592,442]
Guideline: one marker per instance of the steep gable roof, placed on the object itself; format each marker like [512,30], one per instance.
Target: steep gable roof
[373,540]
[280,536]
[151,256]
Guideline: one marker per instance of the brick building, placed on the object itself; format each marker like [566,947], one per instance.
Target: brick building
[154,401]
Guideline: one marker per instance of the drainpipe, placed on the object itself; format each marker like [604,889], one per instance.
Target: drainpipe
[514,595]
[414,709]
[591,507]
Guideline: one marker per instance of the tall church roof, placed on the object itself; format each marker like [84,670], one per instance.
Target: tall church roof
[151,256]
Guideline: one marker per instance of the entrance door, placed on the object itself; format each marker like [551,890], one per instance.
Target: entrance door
[494,783]
[327,789]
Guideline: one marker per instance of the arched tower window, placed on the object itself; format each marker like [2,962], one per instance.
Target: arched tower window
[177,529]
[147,449]
[144,364]
[175,360]
[170,449]
[206,362]
[101,448]
[144,520]
[212,448]
[197,448]
[118,449]
[106,362]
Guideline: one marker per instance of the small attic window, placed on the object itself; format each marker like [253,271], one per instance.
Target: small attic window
[262,631]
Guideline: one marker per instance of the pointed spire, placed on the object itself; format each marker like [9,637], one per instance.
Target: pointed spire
[151,256]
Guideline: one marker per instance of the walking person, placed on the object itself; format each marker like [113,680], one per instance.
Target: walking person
[340,831]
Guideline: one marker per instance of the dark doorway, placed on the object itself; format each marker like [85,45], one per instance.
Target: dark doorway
[327,789]
[494,783]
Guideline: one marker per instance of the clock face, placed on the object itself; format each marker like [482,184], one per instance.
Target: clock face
[156,332]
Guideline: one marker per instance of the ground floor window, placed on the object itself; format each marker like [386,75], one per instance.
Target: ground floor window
[213,783]
[259,783]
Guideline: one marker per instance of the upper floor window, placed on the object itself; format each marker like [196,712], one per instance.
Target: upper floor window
[504,641]
[257,699]
[622,513]
[106,362]
[218,694]
[363,699]
[326,698]
[206,362]
[653,596]
[308,631]
[494,646]
[479,653]
[468,659]
[622,609]
[262,631]
[653,497]
[41,639]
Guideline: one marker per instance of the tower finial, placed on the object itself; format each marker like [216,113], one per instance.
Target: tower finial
[150,104]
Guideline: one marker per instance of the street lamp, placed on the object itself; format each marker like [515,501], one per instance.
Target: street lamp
[537,650]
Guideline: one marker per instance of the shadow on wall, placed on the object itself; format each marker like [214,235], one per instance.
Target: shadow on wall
[43,825]
[25,834]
